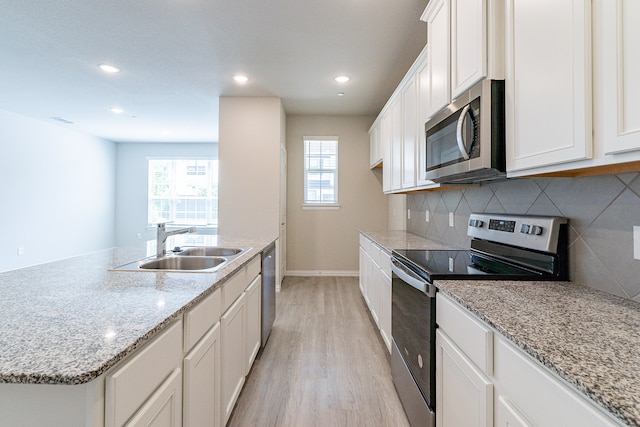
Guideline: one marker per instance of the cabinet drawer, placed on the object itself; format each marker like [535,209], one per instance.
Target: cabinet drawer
[545,400]
[233,288]
[201,318]
[135,381]
[469,334]
[253,269]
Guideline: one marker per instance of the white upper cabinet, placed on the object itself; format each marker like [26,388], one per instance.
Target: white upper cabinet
[385,142]
[620,74]
[468,44]
[409,133]
[465,45]
[375,147]
[396,144]
[548,82]
[437,15]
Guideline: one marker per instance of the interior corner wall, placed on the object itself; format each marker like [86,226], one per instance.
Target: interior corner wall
[131,219]
[249,168]
[326,241]
[57,192]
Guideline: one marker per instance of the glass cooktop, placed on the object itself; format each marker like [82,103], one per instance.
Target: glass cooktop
[460,264]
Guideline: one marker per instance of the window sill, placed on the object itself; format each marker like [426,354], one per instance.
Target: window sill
[321,207]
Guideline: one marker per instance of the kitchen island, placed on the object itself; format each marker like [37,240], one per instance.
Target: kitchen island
[586,338]
[68,322]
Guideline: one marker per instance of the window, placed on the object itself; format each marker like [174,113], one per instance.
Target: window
[184,191]
[320,170]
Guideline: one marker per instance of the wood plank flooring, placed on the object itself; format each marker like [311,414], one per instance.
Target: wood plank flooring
[324,363]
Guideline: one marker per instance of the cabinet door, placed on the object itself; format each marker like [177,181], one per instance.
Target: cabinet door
[201,390]
[423,116]
[619,54]
[468,44]
[253,312]
[438,16]
[164,407]
[508,416]
[396,143]
[409,133]
[232,331]
[374,146]
[548,82]
[385,144]
[465,395]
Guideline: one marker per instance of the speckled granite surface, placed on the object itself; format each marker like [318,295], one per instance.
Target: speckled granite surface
[390,240]
[589,338]
[67,322]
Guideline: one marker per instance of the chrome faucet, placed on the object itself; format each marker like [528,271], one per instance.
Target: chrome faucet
[161,239]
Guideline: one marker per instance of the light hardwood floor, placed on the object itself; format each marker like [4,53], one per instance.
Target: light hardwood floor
[323,365]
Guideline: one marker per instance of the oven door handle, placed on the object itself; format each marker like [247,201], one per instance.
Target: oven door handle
[412,279]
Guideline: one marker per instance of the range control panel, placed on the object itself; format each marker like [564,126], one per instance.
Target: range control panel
[527,231]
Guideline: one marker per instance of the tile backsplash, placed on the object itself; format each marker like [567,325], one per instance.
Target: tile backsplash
[602,212]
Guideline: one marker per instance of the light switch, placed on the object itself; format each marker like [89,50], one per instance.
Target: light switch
[636,242]
[426,215]
[451,222]
[408,213]
[20,250]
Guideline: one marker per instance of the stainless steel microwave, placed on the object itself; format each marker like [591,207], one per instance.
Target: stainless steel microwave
[465,142]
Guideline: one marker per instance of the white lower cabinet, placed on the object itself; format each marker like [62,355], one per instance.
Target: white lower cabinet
[202,382]
[375,285]
[464,394]
[483,379]
[233,333]
[253,323]
[164,407]
[537,394]
[130,391]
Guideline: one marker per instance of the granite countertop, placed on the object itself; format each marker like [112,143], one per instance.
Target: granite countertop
[69,321]
[390,240]
[589,338]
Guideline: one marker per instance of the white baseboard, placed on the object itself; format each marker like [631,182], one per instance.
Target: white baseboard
[309,273]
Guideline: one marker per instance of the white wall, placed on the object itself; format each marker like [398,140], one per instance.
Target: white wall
[57,192]
[326,242]
[249,170]
[132,186]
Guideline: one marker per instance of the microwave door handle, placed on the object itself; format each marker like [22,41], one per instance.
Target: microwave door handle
[461,145]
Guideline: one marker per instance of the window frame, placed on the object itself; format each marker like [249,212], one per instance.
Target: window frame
[319,205]
[209,222]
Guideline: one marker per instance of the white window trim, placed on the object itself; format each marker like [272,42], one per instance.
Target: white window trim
[205,226]
[322,206]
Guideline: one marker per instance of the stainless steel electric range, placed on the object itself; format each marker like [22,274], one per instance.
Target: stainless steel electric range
[503,247]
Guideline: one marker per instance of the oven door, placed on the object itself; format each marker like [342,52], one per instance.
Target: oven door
[413,325]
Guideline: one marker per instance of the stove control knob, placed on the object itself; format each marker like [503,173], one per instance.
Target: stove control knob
[476,223]
[536,230]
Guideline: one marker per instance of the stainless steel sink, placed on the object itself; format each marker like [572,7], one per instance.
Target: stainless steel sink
[183,263]
[204,259]
[209,251]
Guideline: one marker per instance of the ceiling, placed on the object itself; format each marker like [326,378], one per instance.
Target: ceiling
[177,57]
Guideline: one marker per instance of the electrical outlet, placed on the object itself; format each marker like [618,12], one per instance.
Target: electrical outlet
[426,216]
[451,222]
[408,213]
[636,242]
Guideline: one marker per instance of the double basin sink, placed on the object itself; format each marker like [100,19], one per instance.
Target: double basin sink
[190,258]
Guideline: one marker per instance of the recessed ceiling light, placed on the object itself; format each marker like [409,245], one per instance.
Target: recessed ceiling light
[342,79]
[116,110]
[109,68]
[239,78]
